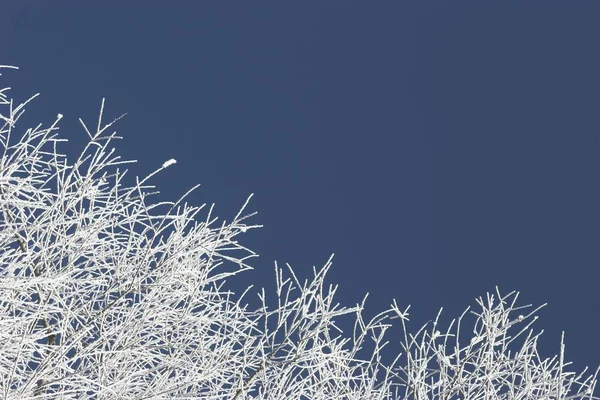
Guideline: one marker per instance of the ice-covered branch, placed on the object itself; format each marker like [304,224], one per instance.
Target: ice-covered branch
[106,293]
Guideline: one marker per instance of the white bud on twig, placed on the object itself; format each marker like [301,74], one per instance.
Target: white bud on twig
[168,163]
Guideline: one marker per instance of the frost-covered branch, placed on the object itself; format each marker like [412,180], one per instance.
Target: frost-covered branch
[108,294]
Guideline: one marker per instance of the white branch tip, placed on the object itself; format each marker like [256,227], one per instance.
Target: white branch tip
[168,163]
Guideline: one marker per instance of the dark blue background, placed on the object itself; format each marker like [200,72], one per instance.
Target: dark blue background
[437,148]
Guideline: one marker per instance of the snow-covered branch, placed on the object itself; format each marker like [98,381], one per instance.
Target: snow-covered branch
[108,294]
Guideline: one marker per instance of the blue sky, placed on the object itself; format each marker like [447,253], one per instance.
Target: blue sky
[437,148]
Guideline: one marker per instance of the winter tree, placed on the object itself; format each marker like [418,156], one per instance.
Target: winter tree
[108,294]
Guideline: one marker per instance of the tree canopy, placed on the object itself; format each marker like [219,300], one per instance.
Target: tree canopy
[107,293]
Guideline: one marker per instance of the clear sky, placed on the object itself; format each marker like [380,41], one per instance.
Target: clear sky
[438,148]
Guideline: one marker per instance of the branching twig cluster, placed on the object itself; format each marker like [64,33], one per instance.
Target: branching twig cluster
[106,294]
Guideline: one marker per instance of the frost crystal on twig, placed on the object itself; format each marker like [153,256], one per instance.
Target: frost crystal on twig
[168,163]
